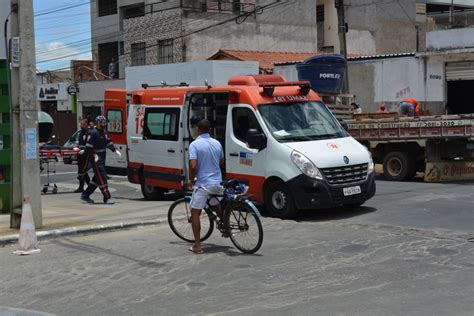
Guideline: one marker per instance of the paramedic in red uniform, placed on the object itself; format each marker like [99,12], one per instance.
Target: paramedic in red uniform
[205,158]
[97,143]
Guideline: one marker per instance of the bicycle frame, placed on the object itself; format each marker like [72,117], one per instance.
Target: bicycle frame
[208,207]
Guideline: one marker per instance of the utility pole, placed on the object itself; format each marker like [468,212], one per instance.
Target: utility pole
[342,29]
[25,162]
[451,13]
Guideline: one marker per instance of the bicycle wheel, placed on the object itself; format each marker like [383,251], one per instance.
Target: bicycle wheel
[244,227]
[179,219]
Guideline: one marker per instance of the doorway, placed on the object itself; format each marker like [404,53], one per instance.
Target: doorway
[459,97]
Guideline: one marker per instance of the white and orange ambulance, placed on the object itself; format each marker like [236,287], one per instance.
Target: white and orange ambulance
[277,136]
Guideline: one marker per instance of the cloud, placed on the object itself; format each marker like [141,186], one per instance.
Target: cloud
[59,54]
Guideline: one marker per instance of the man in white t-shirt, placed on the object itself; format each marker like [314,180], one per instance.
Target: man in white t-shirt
[206,156]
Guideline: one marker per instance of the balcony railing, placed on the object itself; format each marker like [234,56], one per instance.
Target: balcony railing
[218,6]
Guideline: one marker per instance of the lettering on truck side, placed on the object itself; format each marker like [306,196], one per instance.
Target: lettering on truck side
[409,124]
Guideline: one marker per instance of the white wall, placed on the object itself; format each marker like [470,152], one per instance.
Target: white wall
[447,39]
[397,79]
[390,80]
[216,72]
[91,91]
[4,11]
[288,71]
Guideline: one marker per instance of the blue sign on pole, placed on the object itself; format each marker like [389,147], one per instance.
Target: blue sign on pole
[30,150]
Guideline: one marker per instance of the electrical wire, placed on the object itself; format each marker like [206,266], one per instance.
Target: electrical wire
[61,9]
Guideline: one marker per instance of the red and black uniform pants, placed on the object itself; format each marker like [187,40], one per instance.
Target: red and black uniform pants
[100,177]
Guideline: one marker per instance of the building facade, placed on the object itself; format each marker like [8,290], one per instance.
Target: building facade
[133,32]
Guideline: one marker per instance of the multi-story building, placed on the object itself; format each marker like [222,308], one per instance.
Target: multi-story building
[388,27]
[157,32]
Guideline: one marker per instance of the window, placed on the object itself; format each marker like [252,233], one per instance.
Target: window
[244,119]
[165,51]
[114,121]
[107,7]
[300,121]
[133,11]
[107,52]
[320,13]
[229,6]
[161,124]
[138,54]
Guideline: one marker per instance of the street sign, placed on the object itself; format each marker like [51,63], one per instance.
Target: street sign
[72,90]
[15,58]
[30,146]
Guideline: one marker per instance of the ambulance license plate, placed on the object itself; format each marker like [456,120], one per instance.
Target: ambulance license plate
[351,190]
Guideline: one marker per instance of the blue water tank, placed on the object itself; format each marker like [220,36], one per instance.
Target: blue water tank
[324,72]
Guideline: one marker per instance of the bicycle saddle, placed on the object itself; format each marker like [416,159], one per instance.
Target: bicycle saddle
[230,183]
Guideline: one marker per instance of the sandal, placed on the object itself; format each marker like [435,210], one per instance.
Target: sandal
[196,251]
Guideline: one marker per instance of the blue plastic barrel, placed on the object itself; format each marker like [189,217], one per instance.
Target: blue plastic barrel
[324,72]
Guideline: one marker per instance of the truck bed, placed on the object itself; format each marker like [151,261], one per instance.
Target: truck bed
[422,127]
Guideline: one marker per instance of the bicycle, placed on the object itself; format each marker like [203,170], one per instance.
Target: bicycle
[240,218]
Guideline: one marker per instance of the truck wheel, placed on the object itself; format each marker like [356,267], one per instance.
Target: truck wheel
[152,193]
[399,166]
[279,201]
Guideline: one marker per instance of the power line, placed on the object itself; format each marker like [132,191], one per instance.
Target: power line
[61,9]
[406,13]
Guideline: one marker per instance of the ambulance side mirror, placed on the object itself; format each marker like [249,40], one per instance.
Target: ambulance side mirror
[344,125]
[256,140]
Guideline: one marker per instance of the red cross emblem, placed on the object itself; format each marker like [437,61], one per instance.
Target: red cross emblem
[333,145]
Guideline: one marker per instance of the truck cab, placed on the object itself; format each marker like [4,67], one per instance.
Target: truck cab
[277,136]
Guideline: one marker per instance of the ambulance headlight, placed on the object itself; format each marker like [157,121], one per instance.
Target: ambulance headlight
[305,165]
[371,166]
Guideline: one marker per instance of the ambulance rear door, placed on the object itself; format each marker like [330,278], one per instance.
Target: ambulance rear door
[162,147]
[115,110]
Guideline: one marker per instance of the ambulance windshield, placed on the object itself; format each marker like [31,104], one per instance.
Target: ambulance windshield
[300,121]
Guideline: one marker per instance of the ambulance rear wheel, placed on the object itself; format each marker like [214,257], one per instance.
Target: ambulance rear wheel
[152,193]
[279,200]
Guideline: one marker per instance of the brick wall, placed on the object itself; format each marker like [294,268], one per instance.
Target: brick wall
[150,29]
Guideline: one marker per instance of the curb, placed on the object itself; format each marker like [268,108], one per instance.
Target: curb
[83,230]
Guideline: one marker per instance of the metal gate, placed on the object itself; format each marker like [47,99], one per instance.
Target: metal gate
[460,71]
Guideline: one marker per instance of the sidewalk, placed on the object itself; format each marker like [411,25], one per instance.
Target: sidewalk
[65,214]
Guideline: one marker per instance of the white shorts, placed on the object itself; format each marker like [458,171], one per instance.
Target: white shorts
[201,194]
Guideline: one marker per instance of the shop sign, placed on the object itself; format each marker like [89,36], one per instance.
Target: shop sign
[52,91]
[449,171]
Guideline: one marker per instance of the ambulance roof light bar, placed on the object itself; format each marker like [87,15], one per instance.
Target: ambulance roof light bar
[269,87]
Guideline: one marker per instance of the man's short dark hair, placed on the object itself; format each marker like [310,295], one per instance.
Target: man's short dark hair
[204,126]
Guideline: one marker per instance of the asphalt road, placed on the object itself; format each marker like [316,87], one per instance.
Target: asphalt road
[407,251]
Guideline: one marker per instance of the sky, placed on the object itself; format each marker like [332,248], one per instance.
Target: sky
[61,35]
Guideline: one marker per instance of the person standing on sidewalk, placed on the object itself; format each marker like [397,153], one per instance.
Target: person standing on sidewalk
[82,167]
[97,143]
[205,158]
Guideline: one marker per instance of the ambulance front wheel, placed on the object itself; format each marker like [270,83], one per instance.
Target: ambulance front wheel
[279,200]
[152,193]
